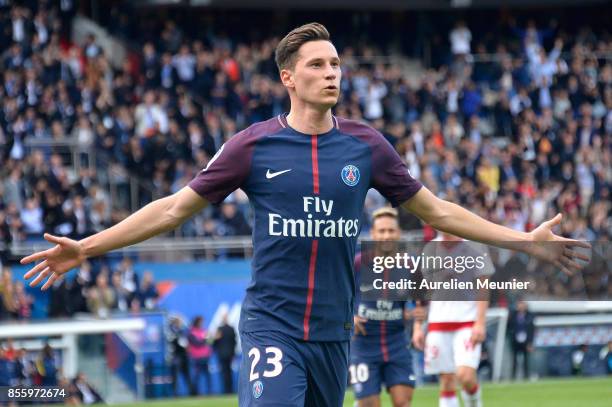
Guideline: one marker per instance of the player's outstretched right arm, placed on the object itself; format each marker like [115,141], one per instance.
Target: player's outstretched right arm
[155,218]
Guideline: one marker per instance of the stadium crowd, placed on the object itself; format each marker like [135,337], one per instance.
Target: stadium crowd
[514,129]
[99,291]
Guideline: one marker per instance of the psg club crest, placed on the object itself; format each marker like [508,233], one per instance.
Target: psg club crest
[257,389]
[350,175]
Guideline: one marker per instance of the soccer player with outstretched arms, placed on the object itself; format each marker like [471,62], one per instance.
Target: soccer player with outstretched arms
[306,174]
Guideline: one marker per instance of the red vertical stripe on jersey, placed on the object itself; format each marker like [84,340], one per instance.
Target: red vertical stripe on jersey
[383,326]
[315,164]
[315,243]
[311,282]
[383,341]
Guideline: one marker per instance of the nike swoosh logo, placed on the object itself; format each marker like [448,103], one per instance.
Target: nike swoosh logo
[270,175]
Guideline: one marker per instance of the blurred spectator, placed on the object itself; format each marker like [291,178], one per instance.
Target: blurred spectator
[578,355]
[59,300]
[129,278]
[7,293]
[23,302]
[71,398]
[135,307]
[177,336]
[233,222]
[122,295]
[23,368]
[32,218]
[199,354]
[46,367]
[84,391]
[225,349]
[101,298]
[373,107]
[184,62]
[10,352]
[521,330]
[5,367]
[460,38]
[148,294]
[91,49]
[606,356]
[150,118]
[69,296]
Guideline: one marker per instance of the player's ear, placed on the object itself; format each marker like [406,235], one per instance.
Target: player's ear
[287,79]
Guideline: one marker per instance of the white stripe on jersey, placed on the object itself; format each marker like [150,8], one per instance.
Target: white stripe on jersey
[212,160]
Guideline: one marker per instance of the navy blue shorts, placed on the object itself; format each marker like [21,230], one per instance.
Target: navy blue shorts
[368,375]
[279,370]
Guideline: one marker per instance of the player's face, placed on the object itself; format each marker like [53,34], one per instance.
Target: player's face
[316,75]
[385,229]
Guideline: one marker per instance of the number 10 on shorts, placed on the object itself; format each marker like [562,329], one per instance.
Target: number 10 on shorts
[273,358]
[359,373]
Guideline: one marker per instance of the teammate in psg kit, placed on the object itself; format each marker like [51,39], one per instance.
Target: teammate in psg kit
[380,349]
[306,175]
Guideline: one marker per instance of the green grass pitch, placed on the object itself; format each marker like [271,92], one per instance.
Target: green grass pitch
[544,393]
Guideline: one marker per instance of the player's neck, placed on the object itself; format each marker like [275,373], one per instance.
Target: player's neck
[310,121]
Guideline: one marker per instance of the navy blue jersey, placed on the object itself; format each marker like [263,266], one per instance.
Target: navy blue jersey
[385,328]
[307,193]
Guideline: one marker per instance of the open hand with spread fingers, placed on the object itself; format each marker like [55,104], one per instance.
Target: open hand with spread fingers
[54,262]
[558,250]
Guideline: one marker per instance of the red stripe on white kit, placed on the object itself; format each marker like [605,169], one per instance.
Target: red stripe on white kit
[448,326]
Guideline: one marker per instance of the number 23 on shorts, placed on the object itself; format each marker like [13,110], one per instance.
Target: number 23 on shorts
[273,359]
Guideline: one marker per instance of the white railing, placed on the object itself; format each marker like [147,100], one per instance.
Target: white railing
[67,331]
[176,244]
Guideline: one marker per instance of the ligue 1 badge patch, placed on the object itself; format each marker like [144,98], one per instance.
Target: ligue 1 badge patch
[350,175]
[257,389]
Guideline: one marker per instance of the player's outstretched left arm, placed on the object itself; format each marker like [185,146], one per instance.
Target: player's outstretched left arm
[451,218]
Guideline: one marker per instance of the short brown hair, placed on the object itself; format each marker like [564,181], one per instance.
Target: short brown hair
[287,48]
[384,211]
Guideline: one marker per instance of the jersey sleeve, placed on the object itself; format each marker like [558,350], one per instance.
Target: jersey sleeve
[390,176]
[227,170]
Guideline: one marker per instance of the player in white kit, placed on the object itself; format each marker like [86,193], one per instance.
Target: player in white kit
[455,330]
